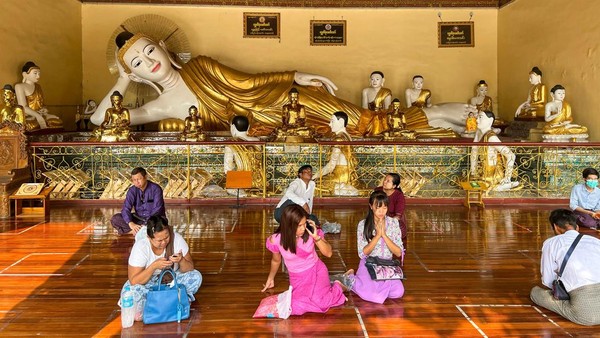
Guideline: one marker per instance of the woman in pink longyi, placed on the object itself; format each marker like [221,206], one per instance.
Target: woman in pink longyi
[295,240]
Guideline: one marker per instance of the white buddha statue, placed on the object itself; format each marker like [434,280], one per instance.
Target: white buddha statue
[534,106]
[559,125]
[338,176]
[30,96]
[377,99]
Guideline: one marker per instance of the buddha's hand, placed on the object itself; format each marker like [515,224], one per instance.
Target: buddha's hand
[305,79]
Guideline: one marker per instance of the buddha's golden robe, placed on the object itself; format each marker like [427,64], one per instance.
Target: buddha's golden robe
[35,101]
[12,113]
[415,116]
[564,115]
[223,92]
[341,173]
[486,104]
[537,102]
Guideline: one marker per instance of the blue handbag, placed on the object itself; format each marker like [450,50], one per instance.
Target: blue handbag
[166,303]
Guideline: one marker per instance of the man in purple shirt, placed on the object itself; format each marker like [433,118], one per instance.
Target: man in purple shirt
[143,200]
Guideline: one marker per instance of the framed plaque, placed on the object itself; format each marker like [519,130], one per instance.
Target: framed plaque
[456,34]
[261,25]
[328,33]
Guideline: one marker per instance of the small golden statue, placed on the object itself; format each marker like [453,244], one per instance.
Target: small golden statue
[293,127]
[396,120]
[30,96]
[10,110]
[193,125]
[559,125]
[533,107]
[115,127]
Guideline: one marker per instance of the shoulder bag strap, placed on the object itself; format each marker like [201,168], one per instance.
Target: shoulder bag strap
[568,255]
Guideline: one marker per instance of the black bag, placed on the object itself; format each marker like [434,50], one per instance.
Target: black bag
[558,288]
[384,269]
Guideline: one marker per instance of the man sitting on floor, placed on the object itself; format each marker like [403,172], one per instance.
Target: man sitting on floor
[585,200]
[581,276]
[143,200]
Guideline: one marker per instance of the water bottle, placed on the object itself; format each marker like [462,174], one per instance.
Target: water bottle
[127,308]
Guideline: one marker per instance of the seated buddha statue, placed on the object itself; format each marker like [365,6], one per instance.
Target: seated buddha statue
[243,157]
[493,164]
[396,121]
[534,106]
[115,127]
[377,99]
[193,127]
[338,177]
[559,119]
[30,96]
[10,111]
[481,100]
[293,120]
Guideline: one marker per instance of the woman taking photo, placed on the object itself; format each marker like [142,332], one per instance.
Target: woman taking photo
[162,248]
[295,241]
[378,235]
[397,203]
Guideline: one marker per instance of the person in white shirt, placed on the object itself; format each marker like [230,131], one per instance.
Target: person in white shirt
[585,200]
[581,276]
[301,191]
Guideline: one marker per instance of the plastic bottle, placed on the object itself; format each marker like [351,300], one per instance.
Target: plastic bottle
[127,308]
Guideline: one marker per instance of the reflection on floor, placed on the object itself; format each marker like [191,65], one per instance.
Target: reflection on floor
[469,273]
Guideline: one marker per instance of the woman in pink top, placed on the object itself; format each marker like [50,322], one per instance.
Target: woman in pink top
[295,240]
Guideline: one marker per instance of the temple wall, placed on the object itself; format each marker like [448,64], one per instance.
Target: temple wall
[561,38]
[399,42]
[48,33]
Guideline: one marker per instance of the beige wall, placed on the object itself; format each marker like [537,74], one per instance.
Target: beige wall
[48,33]
[562,39]
[399,42]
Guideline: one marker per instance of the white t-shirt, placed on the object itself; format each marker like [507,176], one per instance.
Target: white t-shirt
[142,255]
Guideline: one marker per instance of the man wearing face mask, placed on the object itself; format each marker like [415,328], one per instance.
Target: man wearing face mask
[585,200]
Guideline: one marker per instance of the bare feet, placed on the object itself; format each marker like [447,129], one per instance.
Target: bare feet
[349,272]
[344,288]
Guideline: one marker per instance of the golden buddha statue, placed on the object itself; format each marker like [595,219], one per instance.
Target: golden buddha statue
[377,100]
[10,111]
[30,96]
[396,121]
[534,106]
[193,127]
[493,164]
[338,176]
[115,127]
[243,157]
[559,119]
[471,125]
[293,117]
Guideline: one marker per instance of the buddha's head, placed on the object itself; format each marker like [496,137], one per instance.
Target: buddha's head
[535,76]
[558,92]
[396,104]
[143,57]
[31,72]
[417,82]
[377,79]
[116,99]
[8,94]
[338,122]
[239,124]
[485,120]
[482,88]
[293,95]
[193,111]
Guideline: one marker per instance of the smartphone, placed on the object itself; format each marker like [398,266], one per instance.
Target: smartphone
[310,227]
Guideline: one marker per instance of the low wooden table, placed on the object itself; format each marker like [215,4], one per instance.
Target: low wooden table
[32,211]
[474,192]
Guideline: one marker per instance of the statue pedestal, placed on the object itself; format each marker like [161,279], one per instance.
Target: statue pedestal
[565,138]
[526,130]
